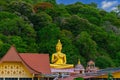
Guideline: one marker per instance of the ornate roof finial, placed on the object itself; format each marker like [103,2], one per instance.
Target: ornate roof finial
[59,43]
[79,61]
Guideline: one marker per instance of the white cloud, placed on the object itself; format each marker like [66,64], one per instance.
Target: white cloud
[108,4]
[114,8]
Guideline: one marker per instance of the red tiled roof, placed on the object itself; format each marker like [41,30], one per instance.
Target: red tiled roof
[35,63]
[38,62]
[11,55]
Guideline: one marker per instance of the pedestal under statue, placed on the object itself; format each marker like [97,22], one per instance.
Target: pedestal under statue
[59,58]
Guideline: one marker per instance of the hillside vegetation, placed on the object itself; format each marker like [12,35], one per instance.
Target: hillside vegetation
[86,32]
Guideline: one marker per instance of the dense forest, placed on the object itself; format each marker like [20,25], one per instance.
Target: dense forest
[86,32]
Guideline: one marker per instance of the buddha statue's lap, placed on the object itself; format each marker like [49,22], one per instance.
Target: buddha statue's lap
[59,58]
[61,66]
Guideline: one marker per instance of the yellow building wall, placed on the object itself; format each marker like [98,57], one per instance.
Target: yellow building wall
[115,75]
[102,76]
[14,69]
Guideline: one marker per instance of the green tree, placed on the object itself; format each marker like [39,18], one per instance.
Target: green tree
[87,47]
[7,15]
[79,78]
[20,7]
[93,4]
[117,11]
[75,24]
[85,31]
[3,5]
[4,49]
[106,62]
[51,1]
[110,76]
[40,20]
[16,26]
[117,60]
[68,48]
[18,43]
[12,25]
[75,8]
[47,38]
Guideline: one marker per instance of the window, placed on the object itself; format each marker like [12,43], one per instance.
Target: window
[11,78]
[25,79]
[35,78]
[1,78]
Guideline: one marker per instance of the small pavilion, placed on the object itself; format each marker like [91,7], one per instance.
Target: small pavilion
[91,68]
[79,68]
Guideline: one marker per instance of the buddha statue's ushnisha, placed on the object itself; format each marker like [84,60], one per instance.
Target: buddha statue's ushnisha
[59,58]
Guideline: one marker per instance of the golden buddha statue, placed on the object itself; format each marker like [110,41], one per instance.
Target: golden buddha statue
[59,58]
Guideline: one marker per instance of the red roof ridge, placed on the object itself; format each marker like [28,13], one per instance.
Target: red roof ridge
[33,53]
[11,55]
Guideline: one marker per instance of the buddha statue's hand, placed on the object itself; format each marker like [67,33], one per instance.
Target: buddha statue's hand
[55,58]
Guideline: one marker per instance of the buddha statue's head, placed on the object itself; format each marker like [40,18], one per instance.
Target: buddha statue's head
[58,46]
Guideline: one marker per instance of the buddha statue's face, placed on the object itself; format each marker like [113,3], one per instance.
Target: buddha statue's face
[58,48]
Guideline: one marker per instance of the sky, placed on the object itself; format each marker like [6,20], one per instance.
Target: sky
[107,5]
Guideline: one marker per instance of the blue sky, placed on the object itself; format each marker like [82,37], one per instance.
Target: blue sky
[107,5]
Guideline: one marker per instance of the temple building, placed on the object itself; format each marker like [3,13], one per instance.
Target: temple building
[79,68]
[91,68]
[24,66]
